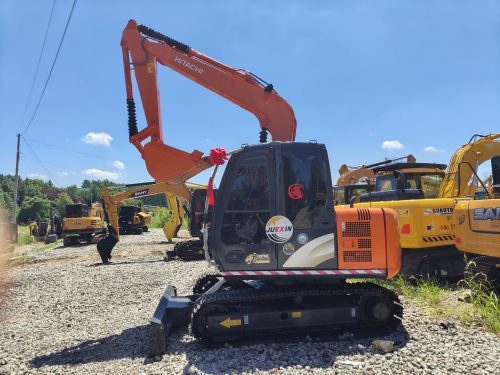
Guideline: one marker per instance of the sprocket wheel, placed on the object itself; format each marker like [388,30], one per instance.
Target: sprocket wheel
[204,283]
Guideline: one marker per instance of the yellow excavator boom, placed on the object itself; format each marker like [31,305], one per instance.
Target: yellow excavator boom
[465,162]
[110,202]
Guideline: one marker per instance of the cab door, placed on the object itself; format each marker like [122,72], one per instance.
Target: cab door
[306,200]
[244,204]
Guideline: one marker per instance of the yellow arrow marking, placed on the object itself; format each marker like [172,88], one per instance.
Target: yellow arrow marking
[228,323]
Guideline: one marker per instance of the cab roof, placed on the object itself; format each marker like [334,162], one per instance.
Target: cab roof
[399,166]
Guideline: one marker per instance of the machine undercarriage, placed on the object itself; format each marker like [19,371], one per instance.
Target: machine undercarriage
[229,309]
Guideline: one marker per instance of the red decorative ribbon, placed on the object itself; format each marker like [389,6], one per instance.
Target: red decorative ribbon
[210,191]
[218,156]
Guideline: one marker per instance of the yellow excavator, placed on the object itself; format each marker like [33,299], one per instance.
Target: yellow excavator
[478,228]
[113,210]
[132,219]
[83,223]
[424,196]
[179,197]
[355,181]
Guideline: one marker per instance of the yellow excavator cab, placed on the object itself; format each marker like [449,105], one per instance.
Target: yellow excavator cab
[147,218]
[478,228]
[83,223]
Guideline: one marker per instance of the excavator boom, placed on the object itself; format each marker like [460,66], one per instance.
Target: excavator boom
[142,49]
[105,246]
[464,163]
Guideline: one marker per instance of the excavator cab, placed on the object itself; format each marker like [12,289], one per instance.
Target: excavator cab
[77,210]
[268,193]
[495,173]
[478,228]
[197,212]
[345,194]
[404,181]
[130,220]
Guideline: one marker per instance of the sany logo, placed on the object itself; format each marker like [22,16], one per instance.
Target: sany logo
[279,229]
[188,65]
[140,193]
[489,213]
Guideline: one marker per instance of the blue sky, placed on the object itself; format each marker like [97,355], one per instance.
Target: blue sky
[357,74]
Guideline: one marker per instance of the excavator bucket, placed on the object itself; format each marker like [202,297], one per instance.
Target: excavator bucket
[170,230]
[104,247]
[182,165]
[172,312]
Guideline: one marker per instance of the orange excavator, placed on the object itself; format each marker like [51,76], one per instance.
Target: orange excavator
[281,253]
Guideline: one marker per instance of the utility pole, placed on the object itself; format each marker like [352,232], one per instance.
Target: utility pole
[16,181]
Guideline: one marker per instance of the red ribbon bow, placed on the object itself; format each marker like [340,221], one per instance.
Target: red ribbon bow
[218,156]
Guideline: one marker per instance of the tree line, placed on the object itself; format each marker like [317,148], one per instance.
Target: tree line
[36,197]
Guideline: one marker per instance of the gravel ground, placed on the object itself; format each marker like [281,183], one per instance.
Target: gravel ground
[66,313]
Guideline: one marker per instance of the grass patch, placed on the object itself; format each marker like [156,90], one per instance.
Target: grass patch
[487,305]
[484,299]
[24,237]
[22,259]
[483,308]
[160,218]
[49,246]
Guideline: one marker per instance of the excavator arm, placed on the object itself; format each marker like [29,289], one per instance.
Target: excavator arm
[142,49]
[352,175]
[464,163]
[109,202]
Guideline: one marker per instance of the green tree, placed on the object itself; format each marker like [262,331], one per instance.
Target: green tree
[34,208]
[91,189]
[32,188]
[134,202]
[7,183]
[61,202]
[161,217]
[6,202]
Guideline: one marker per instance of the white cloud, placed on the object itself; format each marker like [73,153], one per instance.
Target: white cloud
[99,174]
[433,149]
[63,174]
[119,164]
[37,176]
[100,139]
[392,145]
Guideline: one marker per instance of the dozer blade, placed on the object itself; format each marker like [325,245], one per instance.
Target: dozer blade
[104,247]
[172,312]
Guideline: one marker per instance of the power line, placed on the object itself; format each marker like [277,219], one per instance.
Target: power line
[39,160]
[38,63]
[73,151]
[52,67]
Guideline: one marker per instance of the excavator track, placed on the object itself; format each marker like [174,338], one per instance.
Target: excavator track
[187,250]
[443,264]
[232,314]
[208,280]
[205,282]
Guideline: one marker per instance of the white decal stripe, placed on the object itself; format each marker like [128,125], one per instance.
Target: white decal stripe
[376,271]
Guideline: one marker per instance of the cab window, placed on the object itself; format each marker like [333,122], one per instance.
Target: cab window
[305,178]
[248,205]
[339,196]
[386,183]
